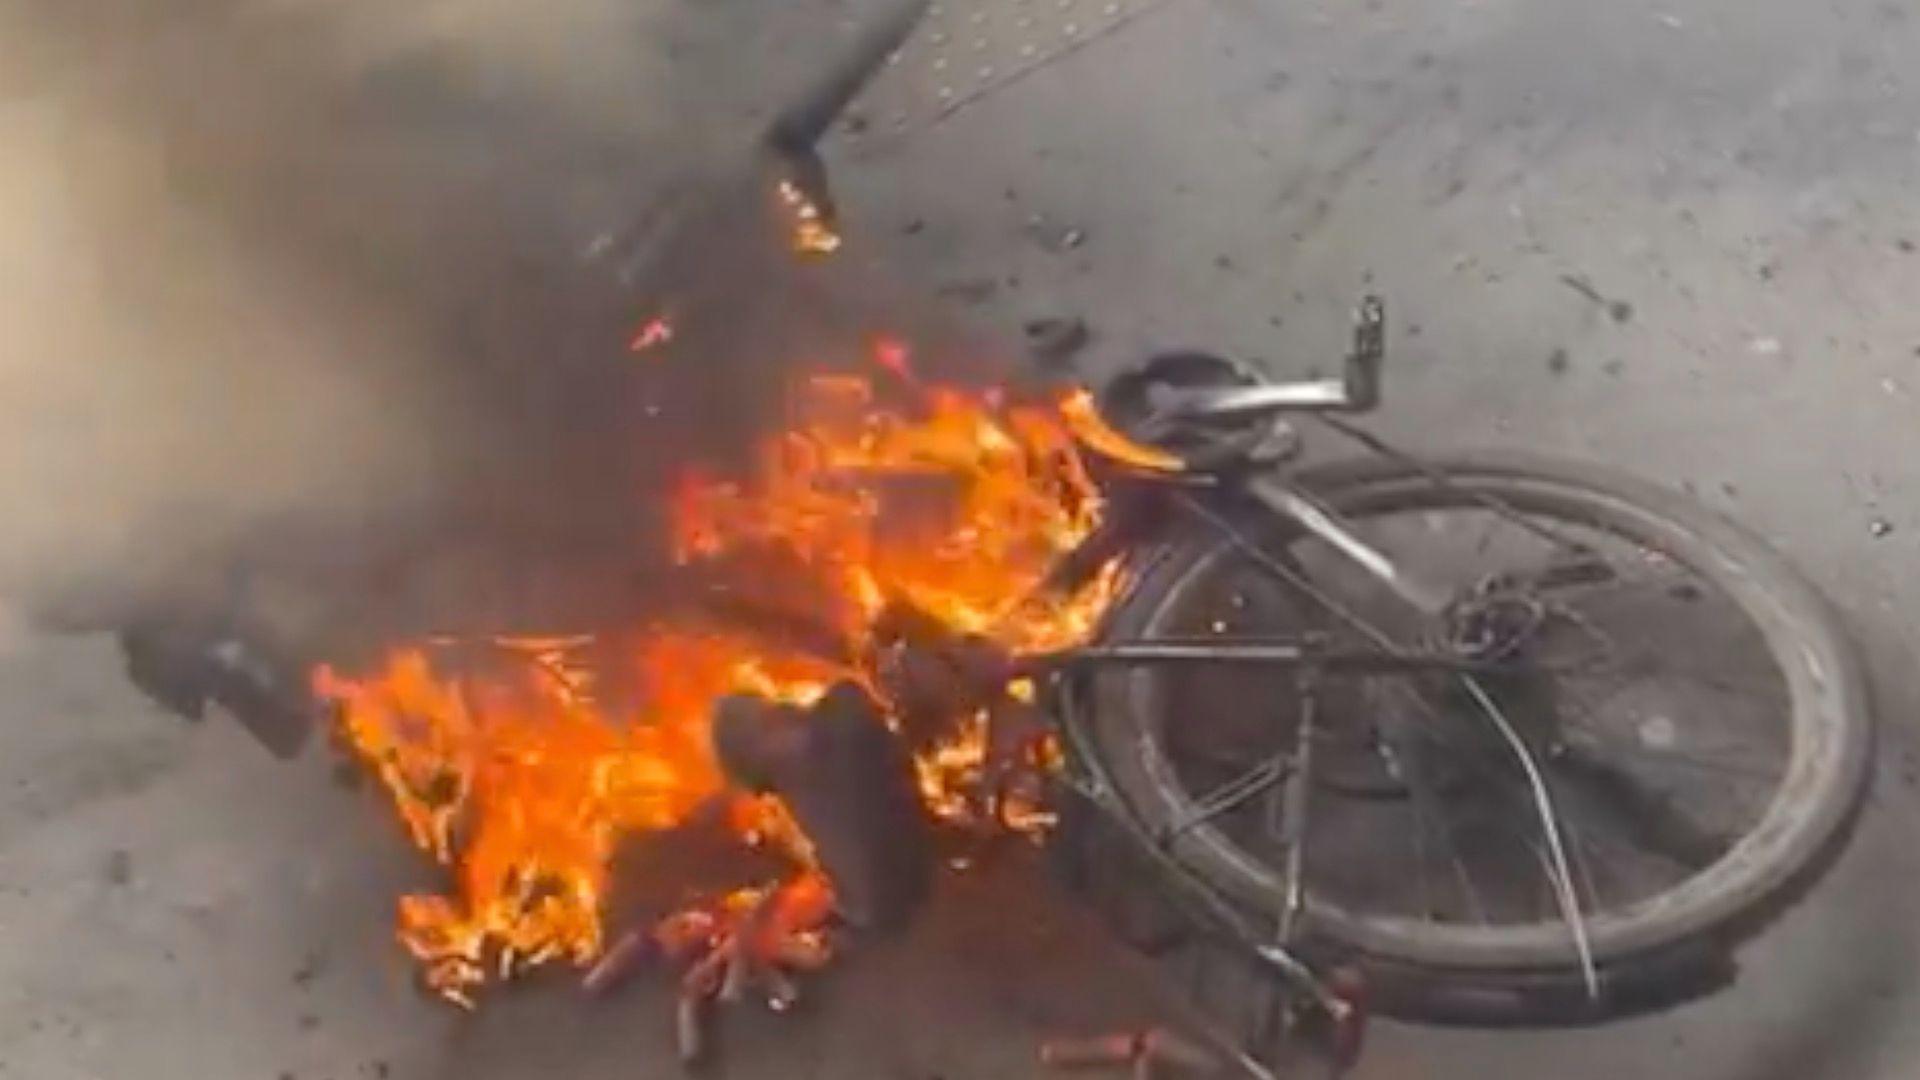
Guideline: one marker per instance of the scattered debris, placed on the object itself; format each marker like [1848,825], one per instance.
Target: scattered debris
[1558,362]
[750,941]
[1054,341]
[1618,310]
[1905,245]
[624,957]
[1143,1051]
[1880,527]
[1053,237]
[119,867]
[969,290]
[311,965]
[914,226]
[1223,262]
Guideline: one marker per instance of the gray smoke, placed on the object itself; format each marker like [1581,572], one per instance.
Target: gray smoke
[337,290]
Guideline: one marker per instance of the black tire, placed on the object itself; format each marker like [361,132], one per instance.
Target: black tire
[1501,967]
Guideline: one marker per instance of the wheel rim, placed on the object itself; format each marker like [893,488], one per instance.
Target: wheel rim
[1766,851]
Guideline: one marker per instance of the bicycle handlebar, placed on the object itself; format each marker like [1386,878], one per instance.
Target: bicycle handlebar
[1356,390]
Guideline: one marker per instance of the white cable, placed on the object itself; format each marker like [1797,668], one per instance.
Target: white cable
[1563,873]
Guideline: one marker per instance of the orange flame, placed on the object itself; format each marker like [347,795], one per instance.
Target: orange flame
[505,765]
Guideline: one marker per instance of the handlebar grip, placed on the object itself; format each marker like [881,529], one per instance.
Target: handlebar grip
[1369,353]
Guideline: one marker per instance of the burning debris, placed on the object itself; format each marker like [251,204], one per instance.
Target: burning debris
[653,333]
[873,573]
[1143,1053]
[813,228]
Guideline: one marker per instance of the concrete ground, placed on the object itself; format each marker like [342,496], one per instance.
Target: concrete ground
[1733,177]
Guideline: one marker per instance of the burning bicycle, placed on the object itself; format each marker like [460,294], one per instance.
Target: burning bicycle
[1509,737]
[1519,738]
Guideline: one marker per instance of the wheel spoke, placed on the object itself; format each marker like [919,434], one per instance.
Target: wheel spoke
[1234,793]
[1640,667]
[1606,744]
[1424,797]
[1292,577]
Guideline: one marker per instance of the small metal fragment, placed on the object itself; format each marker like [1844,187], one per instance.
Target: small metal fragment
[689,1029]
[733,984]
[782,992]
[620,961]
[1100,1051]
[1055,340]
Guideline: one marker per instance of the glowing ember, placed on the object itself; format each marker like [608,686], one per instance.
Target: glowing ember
[509,768]
[652,334]
[812,233]
[893,355]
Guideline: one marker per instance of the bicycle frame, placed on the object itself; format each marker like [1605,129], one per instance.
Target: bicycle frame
[1138,505]
[1136,498]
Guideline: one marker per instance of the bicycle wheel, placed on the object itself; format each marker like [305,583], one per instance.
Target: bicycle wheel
[1697,719]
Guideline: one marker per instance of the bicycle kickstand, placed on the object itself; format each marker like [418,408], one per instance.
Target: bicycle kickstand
[1340,998]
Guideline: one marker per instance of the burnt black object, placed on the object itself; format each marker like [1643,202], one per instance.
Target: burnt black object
[185,665]
[849,783]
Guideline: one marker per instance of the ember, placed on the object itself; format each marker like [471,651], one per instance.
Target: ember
[813,234]
[652,334]
[509,767]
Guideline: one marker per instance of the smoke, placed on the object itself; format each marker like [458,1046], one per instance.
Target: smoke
[339,290]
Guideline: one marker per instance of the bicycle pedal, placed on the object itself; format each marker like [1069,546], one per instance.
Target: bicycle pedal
[1347,1032]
